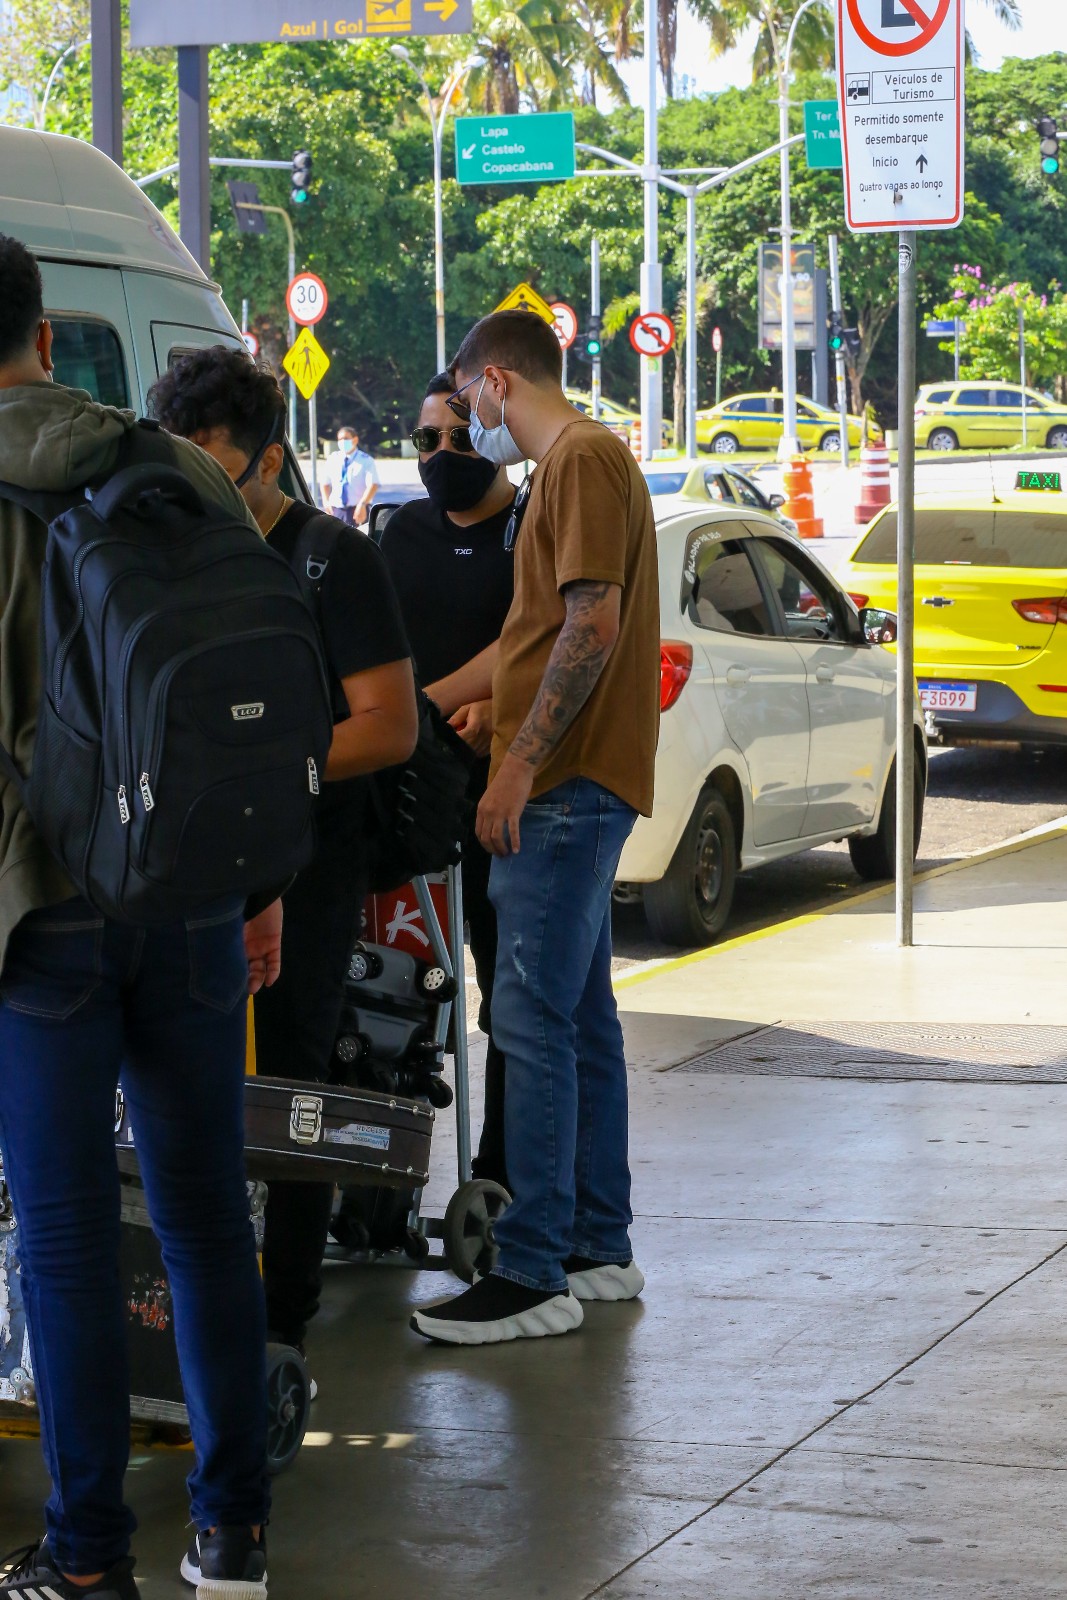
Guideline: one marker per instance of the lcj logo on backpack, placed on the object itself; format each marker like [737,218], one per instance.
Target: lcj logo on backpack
[184,711]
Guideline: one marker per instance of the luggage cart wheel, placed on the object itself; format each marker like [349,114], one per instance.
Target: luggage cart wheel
[439,1093]
[288,1405]
[468,1227]
[435,984]
[416,1246]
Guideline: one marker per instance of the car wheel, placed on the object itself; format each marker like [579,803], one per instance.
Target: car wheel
[690,905]
[876,857]
[942,439]
[831,442]
[1057,439]
[725,444]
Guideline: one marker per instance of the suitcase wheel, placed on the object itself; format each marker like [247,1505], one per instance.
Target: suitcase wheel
[467,1233]
[416,1246]
[438,1093]
[288,1405]
[364,964]
[352,1047]
[435,984]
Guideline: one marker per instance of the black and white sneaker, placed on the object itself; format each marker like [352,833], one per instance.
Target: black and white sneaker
[228,1564]
[32,1574]
[496,1310]
[603,1280]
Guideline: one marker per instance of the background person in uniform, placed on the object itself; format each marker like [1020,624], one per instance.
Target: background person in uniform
[351,480]
[87,1000]
[235,409]
[575,724]
[455,581]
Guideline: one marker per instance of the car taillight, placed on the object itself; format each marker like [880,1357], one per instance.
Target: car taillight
[1046,610]
[859,600]
[920,411]
[675,665]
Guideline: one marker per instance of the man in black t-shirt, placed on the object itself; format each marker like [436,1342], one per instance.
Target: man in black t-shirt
[223,401]
[455,582]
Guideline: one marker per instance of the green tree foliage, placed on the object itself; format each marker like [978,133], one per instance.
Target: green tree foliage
[35,35]
[989,348]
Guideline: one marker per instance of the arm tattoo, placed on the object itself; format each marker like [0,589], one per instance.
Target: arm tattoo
[578,658]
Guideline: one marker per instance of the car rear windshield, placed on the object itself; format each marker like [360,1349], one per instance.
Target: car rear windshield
[994,538]
[665,482]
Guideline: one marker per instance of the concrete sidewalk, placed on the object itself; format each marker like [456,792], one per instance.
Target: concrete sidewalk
[844,1378]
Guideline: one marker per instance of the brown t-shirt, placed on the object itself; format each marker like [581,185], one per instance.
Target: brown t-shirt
[589,517]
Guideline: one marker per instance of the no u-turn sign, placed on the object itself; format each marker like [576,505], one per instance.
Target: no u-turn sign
[900,67]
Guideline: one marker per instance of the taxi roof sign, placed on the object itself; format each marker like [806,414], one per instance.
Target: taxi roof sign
[1047,482]
[524,297]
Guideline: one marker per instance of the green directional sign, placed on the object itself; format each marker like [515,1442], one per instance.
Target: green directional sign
[822,133]
[533,148]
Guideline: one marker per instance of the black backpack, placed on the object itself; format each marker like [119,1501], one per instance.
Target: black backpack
[419,812]
[184,717]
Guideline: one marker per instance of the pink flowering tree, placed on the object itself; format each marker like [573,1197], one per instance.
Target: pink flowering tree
[990,346]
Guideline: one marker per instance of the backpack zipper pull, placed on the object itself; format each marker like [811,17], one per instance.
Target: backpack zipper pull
[146,792]
[313,775]
[124,807]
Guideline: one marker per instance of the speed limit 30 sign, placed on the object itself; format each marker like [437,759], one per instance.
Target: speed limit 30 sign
[900,84]
[306,299]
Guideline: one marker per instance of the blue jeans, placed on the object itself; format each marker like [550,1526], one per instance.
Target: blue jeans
[555,1018]
[87,1002]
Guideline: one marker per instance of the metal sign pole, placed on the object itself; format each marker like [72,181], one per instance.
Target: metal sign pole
[839,355]
[594,308]
[651,271]
[313,434]
[194,173]
[690,322]
[105,22]
[908,246]
[1022,372]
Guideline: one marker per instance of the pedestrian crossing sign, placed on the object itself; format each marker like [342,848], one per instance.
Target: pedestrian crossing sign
[307,363]
[526,298]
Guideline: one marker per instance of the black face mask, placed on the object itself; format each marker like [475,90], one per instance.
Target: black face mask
[457,482]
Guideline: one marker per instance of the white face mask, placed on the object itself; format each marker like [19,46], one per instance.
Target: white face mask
[494,444]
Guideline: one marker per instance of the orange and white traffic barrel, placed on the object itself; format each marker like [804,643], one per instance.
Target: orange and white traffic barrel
[875,490]
[800,498]
[635,439]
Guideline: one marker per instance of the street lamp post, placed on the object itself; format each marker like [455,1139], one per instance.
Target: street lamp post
[438,117]
[790,443]
[54,74]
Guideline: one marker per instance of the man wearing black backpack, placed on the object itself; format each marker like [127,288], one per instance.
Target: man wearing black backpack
[235,410]
[84,999]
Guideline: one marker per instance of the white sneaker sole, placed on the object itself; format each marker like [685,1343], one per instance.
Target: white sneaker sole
[559,1315]
[222,1588]
[607,1283]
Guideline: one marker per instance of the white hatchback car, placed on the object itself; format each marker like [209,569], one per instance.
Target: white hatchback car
[779,721]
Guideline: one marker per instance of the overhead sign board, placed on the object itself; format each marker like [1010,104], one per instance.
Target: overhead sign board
[900,89]
[306,363]
[536,147]
[770,296]
[822,133]
[161,22]
[652,333]
[524,297]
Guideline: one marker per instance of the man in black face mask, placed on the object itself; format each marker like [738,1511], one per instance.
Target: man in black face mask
[455,582]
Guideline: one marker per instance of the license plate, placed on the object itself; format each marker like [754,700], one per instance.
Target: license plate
[949,696]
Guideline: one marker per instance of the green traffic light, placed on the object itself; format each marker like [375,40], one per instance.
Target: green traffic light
[592,347]
[1051,165]
[299,196]
[837,343]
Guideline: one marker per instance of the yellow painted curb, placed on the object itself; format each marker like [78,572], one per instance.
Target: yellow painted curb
[1051,830]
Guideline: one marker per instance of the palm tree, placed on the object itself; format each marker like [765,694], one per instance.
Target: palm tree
[526,53]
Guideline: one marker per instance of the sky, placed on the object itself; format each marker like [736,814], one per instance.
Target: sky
[1043,21]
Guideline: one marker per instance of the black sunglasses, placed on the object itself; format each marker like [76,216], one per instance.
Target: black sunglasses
[275,436]
[518,511]
[428,439]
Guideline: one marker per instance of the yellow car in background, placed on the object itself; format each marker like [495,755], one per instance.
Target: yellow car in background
[754,422]
[615,416]
[986,416]
[990,601]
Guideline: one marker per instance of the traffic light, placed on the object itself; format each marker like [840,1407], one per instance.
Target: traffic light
[1049,134]
[301,177]
[593,344]
[853,343]
[837,332]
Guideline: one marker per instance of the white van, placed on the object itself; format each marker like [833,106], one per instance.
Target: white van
[123,294]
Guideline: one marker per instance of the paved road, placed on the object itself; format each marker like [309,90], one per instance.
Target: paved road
[977,798]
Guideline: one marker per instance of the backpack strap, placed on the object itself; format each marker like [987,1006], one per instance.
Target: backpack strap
[312,554]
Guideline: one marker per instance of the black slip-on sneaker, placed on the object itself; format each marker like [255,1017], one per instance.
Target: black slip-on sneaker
[496,1310]
[603,1280]
[228,1564]
[32,1574]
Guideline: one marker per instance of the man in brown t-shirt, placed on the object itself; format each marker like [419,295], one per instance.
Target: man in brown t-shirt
[575,712]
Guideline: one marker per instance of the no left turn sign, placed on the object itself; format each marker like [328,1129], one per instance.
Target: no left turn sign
[565,323]
[652,333]
[900,90]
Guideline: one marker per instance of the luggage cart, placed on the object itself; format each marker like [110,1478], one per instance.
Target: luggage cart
[405,1009]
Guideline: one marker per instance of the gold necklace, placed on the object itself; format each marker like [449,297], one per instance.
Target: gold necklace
[286,503]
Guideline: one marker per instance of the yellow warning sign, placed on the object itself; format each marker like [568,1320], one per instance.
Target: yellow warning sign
[307,363]
[526,298]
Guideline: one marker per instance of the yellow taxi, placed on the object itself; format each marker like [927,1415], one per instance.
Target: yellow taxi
[754,422]
[990,600]
[987,416]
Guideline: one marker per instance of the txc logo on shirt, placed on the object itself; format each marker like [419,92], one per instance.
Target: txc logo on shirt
[457,550]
